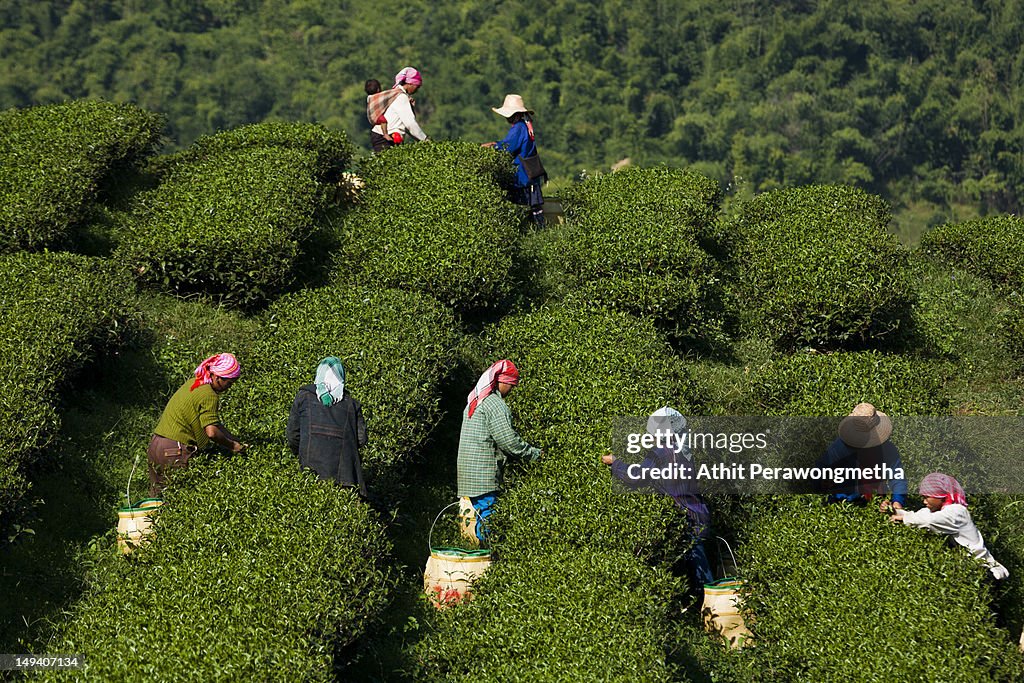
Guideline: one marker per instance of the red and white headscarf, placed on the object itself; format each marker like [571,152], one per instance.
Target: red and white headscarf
[503,371]
[222,365]
[939,485]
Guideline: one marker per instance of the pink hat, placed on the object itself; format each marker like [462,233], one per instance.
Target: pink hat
[408,75]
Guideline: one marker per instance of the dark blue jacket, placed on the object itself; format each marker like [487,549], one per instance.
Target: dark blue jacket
[327,439]
[841,455]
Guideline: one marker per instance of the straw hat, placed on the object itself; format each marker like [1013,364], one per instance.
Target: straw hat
[513,104]
[865,427]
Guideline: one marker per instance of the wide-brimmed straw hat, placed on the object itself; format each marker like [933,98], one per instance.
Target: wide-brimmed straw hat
[865,427]
[513,104]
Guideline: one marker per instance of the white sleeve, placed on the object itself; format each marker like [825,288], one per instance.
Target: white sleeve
[947,521]
[404,110]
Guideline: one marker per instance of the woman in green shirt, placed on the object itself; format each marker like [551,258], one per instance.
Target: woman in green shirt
[191,420]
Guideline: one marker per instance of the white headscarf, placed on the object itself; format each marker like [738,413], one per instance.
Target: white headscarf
[330,381]
[671,420]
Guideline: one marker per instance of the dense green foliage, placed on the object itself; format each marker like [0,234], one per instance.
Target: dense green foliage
[255,572]
[817,268]
[397,348]
[434,219]
[258,571]
[992,248]
[332,149]
[876,601]
[1013,325]
[54,158]
[581,369]
[634,240]
[560,616]
[56,311]
[229,225]
[832,384]
[569,541]
[916,101]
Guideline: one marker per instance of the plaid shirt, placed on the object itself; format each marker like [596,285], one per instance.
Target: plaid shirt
[485,440]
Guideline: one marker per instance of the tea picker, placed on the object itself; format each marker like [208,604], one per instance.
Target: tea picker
[191,420]
[670,424]
[945,512]
[864,443]
[520,142]
[487,439]
[326,428]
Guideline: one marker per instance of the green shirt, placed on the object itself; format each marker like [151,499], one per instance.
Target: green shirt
[188,413]
[485,440]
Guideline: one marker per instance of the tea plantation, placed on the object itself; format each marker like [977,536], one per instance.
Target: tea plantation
[121,272]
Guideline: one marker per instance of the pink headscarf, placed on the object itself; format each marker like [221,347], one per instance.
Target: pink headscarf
[939,485]
[221,364]
[408,75]
[503,371]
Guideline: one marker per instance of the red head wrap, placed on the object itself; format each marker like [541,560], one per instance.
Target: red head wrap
[504,372]
[221,364]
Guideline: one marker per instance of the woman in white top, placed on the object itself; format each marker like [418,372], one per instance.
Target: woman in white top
[399,116]
[945,512]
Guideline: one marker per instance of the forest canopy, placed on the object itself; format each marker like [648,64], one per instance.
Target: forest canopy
[919,102]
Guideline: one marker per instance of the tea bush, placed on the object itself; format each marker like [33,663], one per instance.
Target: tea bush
[833,383]
[397,348]
[582,366]
[840,593]
[580,370]
[990,247]
[52,160]
[178,334]
[55,311]
[1004,537]
[633,241]
[255,571]
[434,218]
[953,311]
[1012,324]
[572,594]
[229,226]
[331,148]
[565,616]
[817,268]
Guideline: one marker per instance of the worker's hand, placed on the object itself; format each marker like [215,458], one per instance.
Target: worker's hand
[896,518]
[239,447]
[607,458]
[897,506]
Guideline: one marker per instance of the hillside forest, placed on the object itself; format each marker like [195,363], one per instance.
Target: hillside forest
[918,102]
